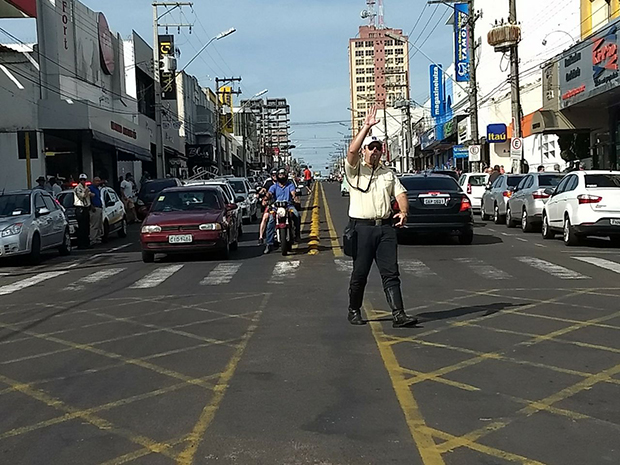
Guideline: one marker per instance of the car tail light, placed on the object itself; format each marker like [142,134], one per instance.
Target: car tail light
[469,188]
[465,204]
[540,194]
[507,194]
[588,198]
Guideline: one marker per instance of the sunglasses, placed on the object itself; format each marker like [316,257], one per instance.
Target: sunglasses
[377,147]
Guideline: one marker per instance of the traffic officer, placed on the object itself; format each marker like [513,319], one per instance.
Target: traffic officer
[372,187]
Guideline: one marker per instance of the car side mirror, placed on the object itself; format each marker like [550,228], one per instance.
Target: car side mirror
[239,198]
[43,211]
[550,191]
[231,206]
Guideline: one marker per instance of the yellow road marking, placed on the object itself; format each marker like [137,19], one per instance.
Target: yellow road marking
[304,215]
[208,413]
[413,416]
[130,457]
[333,235]
[315,229]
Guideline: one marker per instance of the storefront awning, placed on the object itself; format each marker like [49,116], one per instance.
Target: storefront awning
[140,153]
[547,122]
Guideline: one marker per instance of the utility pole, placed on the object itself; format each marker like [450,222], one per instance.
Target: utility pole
[515,86]
[218,105]
[160,159]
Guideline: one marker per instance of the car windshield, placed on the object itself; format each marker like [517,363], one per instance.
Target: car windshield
[187,201]
[513,181]
[602,180]
[14,204]
[66,199]
[149,191]
[430,183]
[238,186]
[477,180]
[549,180]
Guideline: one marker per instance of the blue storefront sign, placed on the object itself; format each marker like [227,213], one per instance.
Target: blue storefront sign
[436,90]
[497,133]
[460,151]
[461,42]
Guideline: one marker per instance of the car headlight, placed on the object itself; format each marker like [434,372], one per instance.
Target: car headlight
[210,227]
[13,229]
[151,228]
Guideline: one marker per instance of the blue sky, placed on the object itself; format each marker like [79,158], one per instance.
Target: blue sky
[296,49]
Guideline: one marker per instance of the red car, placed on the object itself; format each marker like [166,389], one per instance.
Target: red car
[190,219]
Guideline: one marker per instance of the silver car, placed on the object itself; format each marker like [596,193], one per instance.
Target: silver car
[496,197]
[245,197]
[526,204]
[31,221]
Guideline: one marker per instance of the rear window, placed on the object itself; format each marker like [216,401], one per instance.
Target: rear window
[513,181]
[430,183]
[549,180]
[477,180]
[602,180]
[149,191]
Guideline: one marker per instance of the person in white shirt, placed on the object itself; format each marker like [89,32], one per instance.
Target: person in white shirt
[82,203]
[128,197]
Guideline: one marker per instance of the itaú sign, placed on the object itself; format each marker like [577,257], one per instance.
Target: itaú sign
[497,133]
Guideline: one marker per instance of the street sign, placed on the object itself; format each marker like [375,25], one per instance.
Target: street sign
[474,153]
[516,148]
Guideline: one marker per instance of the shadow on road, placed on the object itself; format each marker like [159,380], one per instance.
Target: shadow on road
[487,310]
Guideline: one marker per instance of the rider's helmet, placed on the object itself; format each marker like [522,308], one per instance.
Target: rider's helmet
[274,172]
[282,176]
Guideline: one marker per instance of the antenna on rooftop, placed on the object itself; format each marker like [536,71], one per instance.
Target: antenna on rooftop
[369,13]
[381,22]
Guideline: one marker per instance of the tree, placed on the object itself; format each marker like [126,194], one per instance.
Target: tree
[574,146]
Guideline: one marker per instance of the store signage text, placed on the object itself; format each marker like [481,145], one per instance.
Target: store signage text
[123,130]
[436,90]
[461,37]
[605,58]
[167,79]
[64,17]
[573,92]
[497,133]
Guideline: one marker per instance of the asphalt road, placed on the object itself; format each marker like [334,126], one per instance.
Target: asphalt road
[106,360]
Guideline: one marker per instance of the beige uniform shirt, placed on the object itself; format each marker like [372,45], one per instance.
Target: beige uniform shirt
[81,196]
[377,202]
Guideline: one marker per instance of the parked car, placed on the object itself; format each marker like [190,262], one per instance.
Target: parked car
[584,203]
[31,221]
[245,198]
[473,184]
[526,204]
[114,217]
[149,191]
[496,197]
[229,195]
[190,219]
[437,205]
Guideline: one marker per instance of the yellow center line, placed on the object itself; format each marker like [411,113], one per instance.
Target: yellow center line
[315,229]
[304,215]
[333,235]
[413,416]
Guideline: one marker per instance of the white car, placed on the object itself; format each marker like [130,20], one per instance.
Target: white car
[229,195]
[584,203]
[245,196]
[473,184]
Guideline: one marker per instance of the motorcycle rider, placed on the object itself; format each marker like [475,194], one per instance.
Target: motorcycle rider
[265,204]
[282,190]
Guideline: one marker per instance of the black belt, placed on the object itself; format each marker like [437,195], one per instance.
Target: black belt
[375,222]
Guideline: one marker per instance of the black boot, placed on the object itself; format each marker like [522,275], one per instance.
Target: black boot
[355,317]
[395,301]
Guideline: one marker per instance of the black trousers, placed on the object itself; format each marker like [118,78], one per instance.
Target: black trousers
[378,244]
[82,215]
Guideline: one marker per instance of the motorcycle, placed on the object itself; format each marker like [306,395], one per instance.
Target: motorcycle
[285,226]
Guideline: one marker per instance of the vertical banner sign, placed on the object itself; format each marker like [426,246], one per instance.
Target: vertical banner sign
[227,119]
[167,79]
[461,42]
[436,90]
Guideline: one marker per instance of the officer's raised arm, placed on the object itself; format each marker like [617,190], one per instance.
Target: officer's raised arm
[353,156]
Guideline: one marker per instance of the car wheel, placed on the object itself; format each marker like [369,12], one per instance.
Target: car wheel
[569,236]
[497,218]
[122,233]
[235,245]
[106,232]
[525,223]
[547,233]
[483,215]
[65,247]
[34,257]
[509,220]
[148,257]
[466,237]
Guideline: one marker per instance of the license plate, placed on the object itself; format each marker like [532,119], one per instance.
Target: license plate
[180,239]
[615,221]
[434,202]
[71,229]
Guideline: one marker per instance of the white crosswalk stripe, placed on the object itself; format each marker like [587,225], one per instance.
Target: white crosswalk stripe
[93,278]
[344,265]
[24,283]
[221,274]
[156,277]
[284,271]
[416,268]
[601,262]
[551,268]
[483,269]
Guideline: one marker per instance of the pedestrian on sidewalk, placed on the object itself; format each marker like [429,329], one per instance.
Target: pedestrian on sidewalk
[82,203]
[96,213]
[372,186]
[128,197]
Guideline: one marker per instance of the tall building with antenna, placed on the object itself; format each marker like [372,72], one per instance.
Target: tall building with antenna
[378,65]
